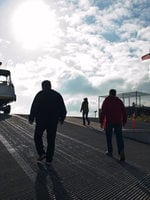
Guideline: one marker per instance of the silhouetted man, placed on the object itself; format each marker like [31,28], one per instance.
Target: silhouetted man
[114,114]
[47,110]
[85,110]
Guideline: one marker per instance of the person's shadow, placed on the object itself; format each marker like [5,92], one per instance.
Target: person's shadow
[141,175]
[48,184]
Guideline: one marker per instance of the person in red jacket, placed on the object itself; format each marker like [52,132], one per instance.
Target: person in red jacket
[114,112]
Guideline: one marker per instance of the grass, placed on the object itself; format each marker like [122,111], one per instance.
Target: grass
[143,118]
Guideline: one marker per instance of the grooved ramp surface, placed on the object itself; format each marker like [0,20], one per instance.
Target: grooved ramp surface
[80,169]
[14,184]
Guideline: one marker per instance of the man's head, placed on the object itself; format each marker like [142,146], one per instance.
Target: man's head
[112,92]
[46,85]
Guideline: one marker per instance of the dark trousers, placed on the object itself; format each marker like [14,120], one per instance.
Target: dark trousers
[51,129]
[85,118]
[117,128]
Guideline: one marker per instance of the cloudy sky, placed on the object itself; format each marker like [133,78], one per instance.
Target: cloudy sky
[85,47]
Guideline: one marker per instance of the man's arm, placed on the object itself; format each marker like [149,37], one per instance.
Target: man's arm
[33,110]
[81,107]
[124,114]
[102,114]
[63,110]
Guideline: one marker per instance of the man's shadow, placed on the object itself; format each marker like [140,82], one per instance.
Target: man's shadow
[48,184]
[142,176]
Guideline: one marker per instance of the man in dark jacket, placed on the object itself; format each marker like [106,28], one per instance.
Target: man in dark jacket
[114,114]
[47,110]
[85,110]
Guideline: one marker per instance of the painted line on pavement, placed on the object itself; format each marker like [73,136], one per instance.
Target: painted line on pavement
[26,168]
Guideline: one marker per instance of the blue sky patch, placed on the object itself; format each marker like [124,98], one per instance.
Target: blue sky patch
[102,4]
[89,19]
[111,36]
[2,1]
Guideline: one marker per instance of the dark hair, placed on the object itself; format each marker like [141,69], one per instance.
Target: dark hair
[112,92]
[46,84]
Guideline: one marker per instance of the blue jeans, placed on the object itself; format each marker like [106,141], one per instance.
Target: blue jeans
[85,118]
[51,129]
[117,128]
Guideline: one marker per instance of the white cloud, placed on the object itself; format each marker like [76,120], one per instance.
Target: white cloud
[144,34]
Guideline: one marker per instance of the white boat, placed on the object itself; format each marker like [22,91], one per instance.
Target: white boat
[7,91]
